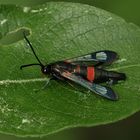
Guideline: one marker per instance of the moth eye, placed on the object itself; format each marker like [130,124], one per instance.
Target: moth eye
[45,70]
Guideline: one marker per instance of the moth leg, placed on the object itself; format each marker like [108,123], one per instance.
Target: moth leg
[58,78]
[45,85]
[72,85]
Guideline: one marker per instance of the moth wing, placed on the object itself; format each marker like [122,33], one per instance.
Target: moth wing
[96,58]
[98,89]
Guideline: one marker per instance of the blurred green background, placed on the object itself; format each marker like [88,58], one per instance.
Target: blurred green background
[125,129]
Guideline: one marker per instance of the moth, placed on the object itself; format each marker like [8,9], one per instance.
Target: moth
[87,71]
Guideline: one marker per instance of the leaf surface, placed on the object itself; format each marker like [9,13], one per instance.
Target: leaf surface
[61,31]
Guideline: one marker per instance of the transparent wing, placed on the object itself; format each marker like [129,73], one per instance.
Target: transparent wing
[100,57]
[98,89]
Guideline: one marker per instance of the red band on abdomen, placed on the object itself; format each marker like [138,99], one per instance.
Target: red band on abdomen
[90,73]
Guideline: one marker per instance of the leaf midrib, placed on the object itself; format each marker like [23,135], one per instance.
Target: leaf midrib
[8,81]
[125,67]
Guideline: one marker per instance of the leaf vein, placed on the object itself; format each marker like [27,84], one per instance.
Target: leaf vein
[8,81]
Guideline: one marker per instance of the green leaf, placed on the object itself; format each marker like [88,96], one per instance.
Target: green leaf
[61,31]
[37,2]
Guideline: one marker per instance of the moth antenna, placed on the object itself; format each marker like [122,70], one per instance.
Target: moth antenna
[30,45]
[28,65]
